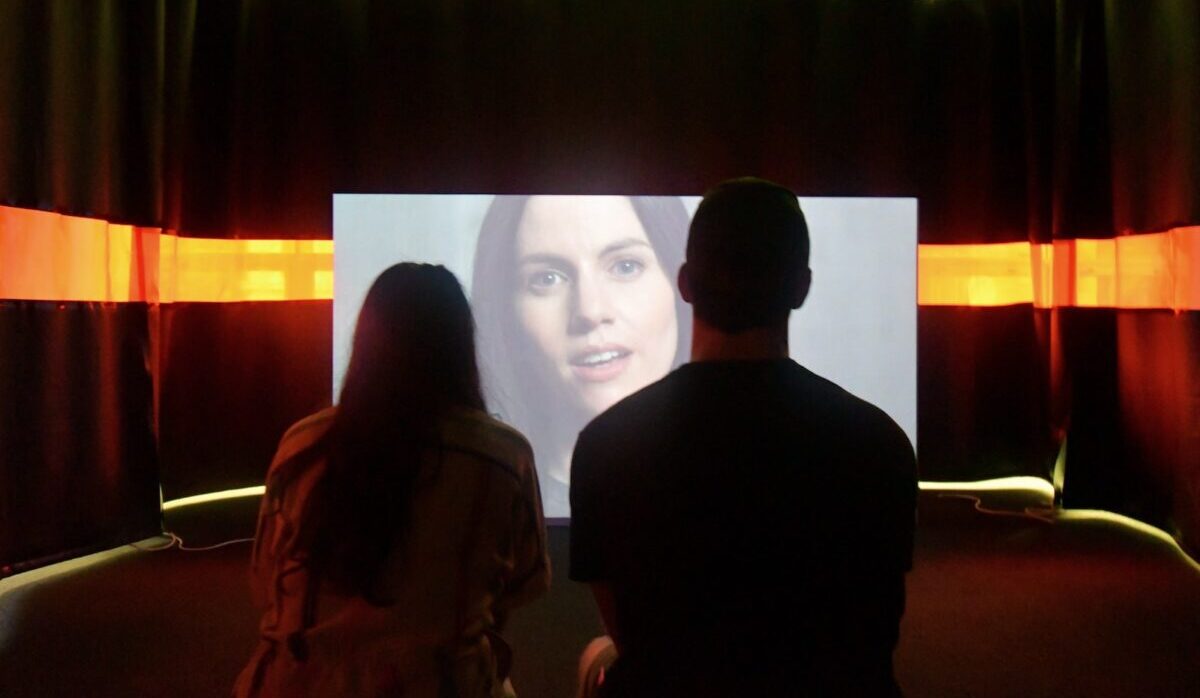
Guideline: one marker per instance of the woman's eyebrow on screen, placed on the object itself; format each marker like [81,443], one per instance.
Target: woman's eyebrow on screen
[547,259]
[559,260]
[620,245]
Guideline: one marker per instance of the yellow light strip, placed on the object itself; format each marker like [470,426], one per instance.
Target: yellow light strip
[1023,483]
[1026,483]
[255,491]
[1131,523]
[1017,483]
[1037,485]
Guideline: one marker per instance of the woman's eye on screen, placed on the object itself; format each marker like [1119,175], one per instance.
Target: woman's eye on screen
[627,268]
[544,280]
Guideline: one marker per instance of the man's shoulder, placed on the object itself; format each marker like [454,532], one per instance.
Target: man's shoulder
[843,404]
[634,409]
[859,422]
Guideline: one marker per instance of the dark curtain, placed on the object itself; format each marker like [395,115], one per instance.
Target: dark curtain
[234,377]
[1011,120]
[81,107]
[1130,377]
[78,468]
[81,117]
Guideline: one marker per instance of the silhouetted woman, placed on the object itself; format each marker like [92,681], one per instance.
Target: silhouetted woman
[399,527]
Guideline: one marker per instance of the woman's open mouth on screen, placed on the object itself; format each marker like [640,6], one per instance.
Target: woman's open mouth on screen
[598,364]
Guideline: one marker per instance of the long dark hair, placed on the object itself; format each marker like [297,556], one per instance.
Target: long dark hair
[413,358]
[506,354]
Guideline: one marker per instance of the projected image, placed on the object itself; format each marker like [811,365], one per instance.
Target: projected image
[576,305]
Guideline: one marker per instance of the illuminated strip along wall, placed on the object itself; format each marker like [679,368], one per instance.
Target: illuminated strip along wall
[53,257]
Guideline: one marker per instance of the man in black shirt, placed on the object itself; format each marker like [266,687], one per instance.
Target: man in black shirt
[745,524]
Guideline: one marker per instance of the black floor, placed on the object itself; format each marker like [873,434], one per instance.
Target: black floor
[998,606]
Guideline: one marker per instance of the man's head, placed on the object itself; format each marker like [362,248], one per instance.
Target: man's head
[747,256]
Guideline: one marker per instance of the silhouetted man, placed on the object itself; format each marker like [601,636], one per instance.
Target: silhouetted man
[744,523]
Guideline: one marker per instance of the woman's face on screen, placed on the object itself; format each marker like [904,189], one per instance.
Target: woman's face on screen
[593,297]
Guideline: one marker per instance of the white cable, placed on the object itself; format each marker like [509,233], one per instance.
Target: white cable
[174,539]
[212,547]
[177,542]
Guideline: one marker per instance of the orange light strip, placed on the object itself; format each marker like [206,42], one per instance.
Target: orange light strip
[1146,271]
[50,256]
[980,275]
[200,269]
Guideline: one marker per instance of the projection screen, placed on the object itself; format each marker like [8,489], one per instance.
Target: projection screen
[576,306]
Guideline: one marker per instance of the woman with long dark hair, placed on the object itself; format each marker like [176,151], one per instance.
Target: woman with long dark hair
[399,527]
[577,309]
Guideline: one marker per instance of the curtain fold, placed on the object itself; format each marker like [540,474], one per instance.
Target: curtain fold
[1153,52]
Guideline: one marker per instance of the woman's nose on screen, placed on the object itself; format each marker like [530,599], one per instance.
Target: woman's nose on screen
[590,306]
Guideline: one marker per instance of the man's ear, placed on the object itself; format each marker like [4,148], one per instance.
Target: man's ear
[803,284]
[685,283]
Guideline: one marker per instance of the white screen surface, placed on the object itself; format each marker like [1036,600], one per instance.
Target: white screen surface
[857,327]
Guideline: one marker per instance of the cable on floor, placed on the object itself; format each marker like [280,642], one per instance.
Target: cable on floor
[177,542]
[1035,513]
